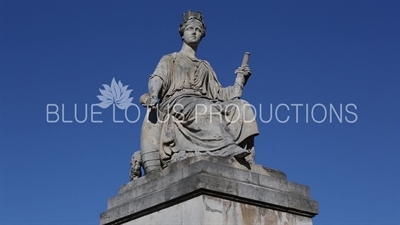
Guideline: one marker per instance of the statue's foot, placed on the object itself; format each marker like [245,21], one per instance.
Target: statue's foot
[250,158]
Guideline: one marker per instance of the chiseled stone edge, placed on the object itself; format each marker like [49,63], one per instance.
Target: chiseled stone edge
[197,179]
[230,162]
[205,184]
[156,181]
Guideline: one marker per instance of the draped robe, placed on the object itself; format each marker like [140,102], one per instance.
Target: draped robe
[198,115]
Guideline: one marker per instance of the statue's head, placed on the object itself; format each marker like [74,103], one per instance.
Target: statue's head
[193,19]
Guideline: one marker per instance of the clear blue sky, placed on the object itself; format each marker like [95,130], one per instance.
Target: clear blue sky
[312,52]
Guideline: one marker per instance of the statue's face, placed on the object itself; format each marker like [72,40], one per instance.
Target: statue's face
[192,34]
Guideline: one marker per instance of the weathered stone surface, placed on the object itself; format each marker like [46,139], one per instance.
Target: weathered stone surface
[230,183]
[211,210]
[202,182]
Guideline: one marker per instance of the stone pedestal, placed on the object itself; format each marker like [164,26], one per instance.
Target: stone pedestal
[211,190]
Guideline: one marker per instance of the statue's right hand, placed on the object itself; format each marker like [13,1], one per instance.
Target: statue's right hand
[152,101]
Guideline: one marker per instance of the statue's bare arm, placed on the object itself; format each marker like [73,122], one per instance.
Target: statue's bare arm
[155,84]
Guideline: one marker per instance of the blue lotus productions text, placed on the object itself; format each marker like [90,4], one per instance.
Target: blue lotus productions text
[265,113]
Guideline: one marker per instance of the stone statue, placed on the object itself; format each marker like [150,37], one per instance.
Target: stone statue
[189,113]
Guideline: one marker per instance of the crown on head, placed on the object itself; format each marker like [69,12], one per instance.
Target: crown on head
[192,15]
[189,15]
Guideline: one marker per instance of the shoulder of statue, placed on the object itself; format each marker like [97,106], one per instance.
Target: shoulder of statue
[169,57]
[206,63]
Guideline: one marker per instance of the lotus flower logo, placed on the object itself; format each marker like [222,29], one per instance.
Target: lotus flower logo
[116,94]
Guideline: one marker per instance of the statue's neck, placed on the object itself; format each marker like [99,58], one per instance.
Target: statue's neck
[189,51]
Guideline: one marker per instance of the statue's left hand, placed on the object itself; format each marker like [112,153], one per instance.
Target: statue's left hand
[244,70]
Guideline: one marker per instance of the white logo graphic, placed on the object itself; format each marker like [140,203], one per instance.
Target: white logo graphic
[116,94]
